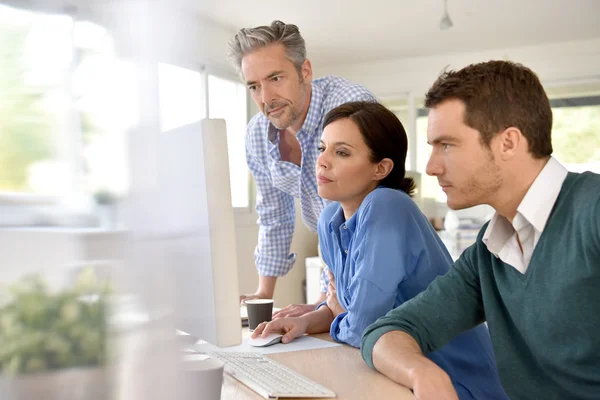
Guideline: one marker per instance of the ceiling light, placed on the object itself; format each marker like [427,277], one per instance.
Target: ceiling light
[445,22]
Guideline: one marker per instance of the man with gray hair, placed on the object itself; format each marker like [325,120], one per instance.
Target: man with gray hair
[282,142]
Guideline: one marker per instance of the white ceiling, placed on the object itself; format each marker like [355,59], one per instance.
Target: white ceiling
[349,31]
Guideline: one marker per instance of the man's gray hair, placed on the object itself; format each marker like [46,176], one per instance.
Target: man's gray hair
[248,40]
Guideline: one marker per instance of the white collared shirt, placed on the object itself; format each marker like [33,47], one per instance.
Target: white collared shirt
[500,236]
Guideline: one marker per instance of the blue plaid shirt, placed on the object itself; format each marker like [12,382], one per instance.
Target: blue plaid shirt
[279,182]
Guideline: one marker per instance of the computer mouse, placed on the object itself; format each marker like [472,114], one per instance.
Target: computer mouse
[271,339]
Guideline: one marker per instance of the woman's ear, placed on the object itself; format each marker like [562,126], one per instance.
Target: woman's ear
[383,169]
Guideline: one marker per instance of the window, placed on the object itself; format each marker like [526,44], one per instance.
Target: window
[104,100]
[67,103]
[35,57]
[575,134]
[61,125]
[182,99]
[227,100]
[181,96]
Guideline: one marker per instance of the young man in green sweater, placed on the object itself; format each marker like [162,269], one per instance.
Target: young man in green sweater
[534,272]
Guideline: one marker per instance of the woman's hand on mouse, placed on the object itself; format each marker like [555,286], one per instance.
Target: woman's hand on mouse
[291,328]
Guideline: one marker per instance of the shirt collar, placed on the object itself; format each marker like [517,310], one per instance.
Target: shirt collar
[313,117]
[541,196]
[338,219]
[535,207]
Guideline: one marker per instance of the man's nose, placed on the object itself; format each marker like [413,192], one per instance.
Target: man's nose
[434,166]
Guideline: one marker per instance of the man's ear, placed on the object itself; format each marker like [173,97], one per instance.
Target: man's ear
[510,142]
[383,169]
[306,71]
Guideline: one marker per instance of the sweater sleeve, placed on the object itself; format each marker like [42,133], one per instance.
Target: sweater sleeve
[450,305]
[597,215]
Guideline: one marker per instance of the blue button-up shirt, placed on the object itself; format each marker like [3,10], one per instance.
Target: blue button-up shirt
[384,255]
[279,182]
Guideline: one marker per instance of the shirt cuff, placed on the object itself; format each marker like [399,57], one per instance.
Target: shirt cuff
[324,303]
[335,326]
[270,266]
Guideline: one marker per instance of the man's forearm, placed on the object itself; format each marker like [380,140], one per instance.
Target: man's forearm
[398,356]
[266,286]
[319,321]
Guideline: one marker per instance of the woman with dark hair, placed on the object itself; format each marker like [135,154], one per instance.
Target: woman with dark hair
[381,250]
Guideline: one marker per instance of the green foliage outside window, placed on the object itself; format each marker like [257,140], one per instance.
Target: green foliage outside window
[25,128]
[576,134]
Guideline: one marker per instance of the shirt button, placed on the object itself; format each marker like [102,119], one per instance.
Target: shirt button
[345,227]
[346,251]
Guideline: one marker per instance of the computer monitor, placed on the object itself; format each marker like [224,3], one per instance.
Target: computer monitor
[186,216]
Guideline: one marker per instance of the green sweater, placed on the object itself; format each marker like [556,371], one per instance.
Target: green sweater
[544,324]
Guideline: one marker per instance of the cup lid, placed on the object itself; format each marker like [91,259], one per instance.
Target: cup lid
[259,301]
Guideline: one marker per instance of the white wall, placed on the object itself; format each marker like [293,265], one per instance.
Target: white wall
[555,64]
[172,35]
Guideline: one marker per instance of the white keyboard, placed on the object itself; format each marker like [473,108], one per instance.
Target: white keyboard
[268,378]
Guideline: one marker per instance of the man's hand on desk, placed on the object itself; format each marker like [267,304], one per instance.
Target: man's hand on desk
[294,310]
[290,327]
[298,310]
[257,295]
[266,288]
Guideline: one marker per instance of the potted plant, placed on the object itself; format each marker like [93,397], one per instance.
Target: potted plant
[53,343]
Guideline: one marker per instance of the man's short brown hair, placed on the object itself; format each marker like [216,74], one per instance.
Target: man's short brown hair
[498,95]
